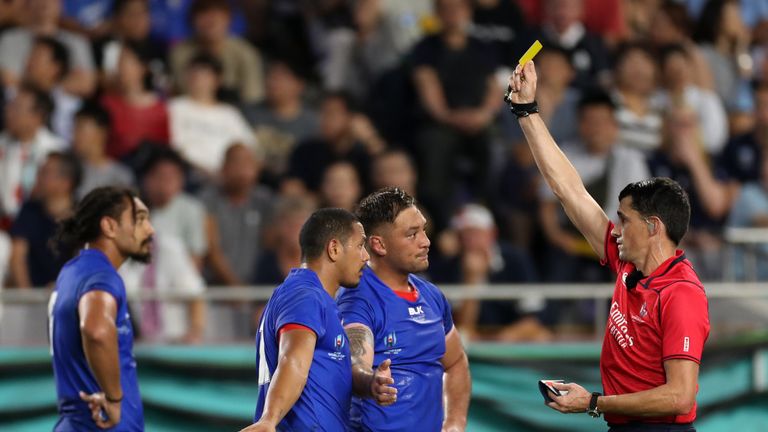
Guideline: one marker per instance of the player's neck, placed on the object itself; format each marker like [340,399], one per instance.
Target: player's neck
[328,279]
[107,248]
[394,279]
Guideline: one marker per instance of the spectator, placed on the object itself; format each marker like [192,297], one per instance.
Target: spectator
[171,272]
[47,65]
[751,211]
[640,107]
[341,187]
[683,159]
[33,262]
[603,17]
[740,159]
[239,210]
[481,259]
[282,251]
[500,23]
[671,25]
[242,71]
[454,78]
[202,128]
[724,41]
[605,167]
[563,27]
[359,58]
[394,168]
[42,19]
[174,213]
[344,136]
[23,147]
[137,113]
[558,98]
[282,120]
[90,145]
[130,22]
[679,90]
[516,196]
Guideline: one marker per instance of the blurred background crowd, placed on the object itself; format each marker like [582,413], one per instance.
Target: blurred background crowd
[236,119]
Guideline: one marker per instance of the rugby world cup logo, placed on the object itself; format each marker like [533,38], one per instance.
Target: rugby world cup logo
[390,340]
[340,342]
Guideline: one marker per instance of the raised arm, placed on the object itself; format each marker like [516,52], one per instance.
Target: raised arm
[457,384]
[294,360]
[365,381]
[556,169]
[98,312]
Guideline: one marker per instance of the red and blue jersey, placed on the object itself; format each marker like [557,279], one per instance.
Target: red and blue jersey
[665,316]
[411,332]
[89,271]
[324,403]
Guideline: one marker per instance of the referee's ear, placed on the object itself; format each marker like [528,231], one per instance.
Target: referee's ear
[376,245]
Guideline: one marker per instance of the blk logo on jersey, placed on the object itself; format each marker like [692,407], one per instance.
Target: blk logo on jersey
[413,311]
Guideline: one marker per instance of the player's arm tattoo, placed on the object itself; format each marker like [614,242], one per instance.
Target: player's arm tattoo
[358,338]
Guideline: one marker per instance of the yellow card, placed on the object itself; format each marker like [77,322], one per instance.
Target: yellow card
[531,53]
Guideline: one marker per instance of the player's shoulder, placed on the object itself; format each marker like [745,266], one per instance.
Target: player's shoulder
[301,284]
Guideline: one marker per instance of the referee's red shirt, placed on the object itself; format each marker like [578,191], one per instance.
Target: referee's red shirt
[664,317]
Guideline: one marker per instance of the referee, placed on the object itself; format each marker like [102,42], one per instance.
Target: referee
[658,320]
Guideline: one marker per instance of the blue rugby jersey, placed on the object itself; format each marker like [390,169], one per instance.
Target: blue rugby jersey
[324,402]
[412,335]
[89,271]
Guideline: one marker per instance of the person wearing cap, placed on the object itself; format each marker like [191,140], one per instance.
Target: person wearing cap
[472,255]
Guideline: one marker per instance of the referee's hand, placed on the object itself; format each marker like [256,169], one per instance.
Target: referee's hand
[522,84]
[574,399]
[381,385]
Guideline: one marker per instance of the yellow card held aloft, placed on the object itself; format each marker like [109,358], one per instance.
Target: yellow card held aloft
[531,53]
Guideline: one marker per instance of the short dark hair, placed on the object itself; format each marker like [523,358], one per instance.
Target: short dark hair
[95,112]
[161,155]
[120,5]
[382,207]
[85,224]
[201,6]
[59,53]
[204,60]
[323,226]
[664,198]
[596,98]
[41,103]
[69,166]
[668,51]
[627,48]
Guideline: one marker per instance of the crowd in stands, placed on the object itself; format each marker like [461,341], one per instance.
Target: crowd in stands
[236,118]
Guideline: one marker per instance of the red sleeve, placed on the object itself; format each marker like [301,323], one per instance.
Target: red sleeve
[609,21]
[611,250]
[684,321]
[289,327]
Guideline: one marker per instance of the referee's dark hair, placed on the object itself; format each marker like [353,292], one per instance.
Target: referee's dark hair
[664,198]
[382,207]
[323,226]
[85,224]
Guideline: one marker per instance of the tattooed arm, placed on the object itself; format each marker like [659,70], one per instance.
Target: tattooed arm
[367,382]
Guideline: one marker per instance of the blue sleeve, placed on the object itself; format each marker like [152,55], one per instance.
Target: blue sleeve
[303,308]
[356,309]
[103,281]
[447,316]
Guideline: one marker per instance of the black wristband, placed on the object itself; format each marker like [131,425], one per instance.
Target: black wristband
[524,110]
[110,400]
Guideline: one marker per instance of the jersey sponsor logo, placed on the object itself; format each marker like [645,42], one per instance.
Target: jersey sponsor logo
[619,327]
[686,344]
[413,311]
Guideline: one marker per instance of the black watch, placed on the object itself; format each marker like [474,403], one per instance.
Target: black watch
[593,411]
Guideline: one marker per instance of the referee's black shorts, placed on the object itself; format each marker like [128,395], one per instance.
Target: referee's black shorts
[652,427]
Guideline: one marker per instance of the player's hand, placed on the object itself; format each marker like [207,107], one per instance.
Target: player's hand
[523,84]
[381,385]
[260,426]
[104,413]
[576,401]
